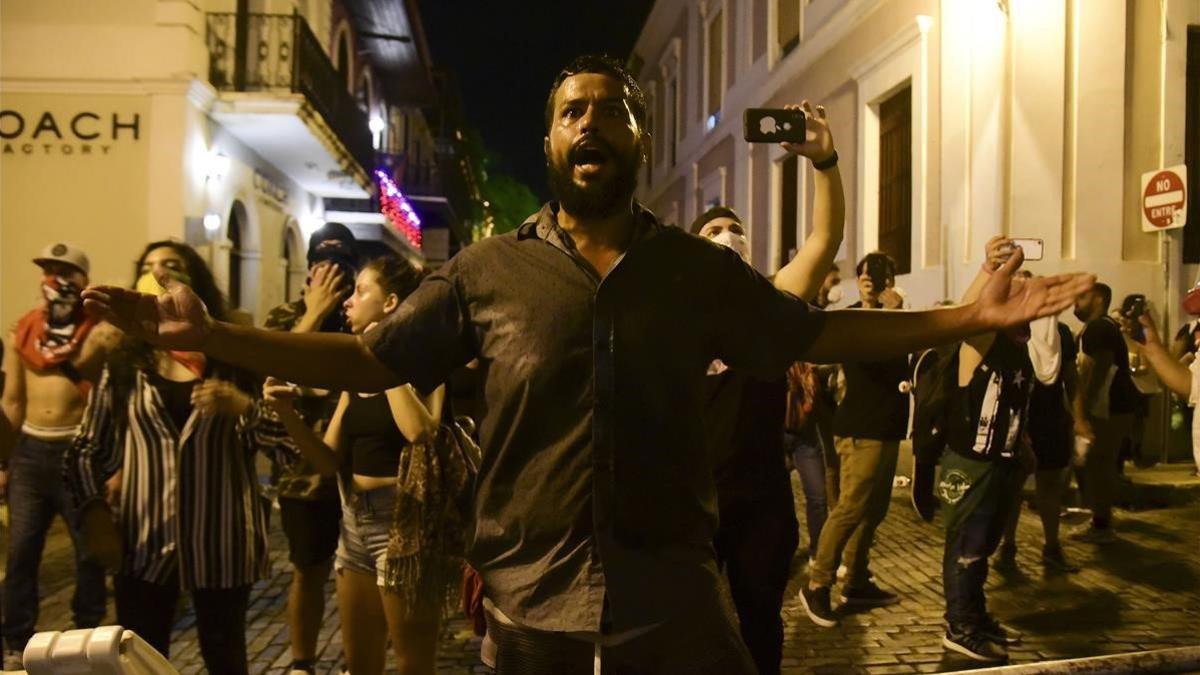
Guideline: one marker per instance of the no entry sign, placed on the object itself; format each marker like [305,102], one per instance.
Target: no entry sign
[1164,199]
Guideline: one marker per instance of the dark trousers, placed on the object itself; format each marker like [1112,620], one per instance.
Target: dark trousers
[149,610]
[969,544]
[809,459]
[36,495]
[703,643]
[755,544]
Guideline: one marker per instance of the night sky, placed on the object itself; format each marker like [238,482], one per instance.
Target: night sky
[506,55]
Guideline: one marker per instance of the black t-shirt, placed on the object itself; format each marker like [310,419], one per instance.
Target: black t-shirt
[988,415]
[874,407]
[743,423]
[1049,415]
[1103,334]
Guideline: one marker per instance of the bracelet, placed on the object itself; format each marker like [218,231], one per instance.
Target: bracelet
[827,163]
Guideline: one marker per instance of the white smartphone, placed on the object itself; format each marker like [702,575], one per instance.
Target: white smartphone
[1031,247]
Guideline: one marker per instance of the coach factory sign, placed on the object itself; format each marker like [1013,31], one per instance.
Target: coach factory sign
[78,133]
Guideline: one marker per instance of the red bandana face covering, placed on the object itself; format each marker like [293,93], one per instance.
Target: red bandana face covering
[51,335]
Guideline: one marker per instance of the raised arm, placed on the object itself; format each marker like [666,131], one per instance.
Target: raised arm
[1176,376]
[805,273]
[323,453]
[975,348]
[412,414]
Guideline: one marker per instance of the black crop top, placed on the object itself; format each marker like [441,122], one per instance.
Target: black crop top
[372,437]
[176,398]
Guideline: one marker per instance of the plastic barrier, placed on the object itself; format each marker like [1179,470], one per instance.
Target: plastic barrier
[108,650]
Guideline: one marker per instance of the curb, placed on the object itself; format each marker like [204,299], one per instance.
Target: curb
[1177,660]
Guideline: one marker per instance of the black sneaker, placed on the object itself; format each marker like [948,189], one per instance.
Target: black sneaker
[924,500]
[869,595]
[1007,560]
[817,606]
[974,646]
[999,633]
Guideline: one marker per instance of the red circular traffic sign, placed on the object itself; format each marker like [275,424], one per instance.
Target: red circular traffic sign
[1164,195]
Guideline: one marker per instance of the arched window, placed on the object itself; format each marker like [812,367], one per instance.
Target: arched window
[295,262]
[237,216]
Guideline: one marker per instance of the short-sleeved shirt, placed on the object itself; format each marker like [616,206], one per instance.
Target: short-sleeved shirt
[987,416]
[874,407]
[1103,334]
[596,488]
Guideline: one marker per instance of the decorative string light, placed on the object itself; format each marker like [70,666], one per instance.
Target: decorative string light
[397,210]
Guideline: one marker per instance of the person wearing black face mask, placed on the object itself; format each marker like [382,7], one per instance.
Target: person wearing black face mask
[308,503]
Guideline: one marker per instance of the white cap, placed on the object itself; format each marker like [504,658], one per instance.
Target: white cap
[64,253]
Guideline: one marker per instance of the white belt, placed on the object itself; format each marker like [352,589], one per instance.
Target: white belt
[50,433]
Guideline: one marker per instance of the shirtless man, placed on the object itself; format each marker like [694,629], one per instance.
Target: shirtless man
[54,354]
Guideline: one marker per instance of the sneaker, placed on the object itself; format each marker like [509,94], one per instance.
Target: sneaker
[869,595]
[999,633]
[1053,559]
[924,500]
[1091,534]
[1007,560]
[816,605]
[12,660]
[974,646]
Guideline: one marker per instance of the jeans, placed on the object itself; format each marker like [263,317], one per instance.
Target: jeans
[971,538]
[867,469]
[36,494]
[1103,484]
[755,545]
[149,610]
[810,465]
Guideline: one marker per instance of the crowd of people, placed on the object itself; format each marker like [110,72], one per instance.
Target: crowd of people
[645,395]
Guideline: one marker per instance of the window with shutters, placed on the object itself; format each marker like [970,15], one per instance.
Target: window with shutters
[788,209]
[713,69]
[787,25]
[895,178]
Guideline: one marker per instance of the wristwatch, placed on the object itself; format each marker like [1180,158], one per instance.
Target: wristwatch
[827,163]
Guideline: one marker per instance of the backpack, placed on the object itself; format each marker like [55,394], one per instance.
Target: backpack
[934,380]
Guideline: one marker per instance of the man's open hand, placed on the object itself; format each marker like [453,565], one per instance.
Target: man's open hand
[1007,301]
[177,319]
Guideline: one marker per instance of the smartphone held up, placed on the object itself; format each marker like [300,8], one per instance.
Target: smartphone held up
[773,125]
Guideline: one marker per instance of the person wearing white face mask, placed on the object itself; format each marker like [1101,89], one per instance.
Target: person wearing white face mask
[745,422]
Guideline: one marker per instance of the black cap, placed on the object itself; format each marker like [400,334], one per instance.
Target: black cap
[328,231]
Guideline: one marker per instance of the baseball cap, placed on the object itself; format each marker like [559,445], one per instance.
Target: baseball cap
[64,253]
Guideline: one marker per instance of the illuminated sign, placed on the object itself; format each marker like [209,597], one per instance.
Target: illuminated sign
[397,210]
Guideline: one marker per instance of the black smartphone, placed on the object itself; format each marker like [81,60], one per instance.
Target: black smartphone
[1133,308]
[878,271]
[773,125]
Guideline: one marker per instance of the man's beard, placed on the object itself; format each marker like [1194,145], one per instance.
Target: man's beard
[600,198]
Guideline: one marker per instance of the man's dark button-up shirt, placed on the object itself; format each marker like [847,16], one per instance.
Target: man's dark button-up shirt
[595,484]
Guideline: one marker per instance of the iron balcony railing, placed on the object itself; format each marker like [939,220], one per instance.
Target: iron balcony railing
[278,52]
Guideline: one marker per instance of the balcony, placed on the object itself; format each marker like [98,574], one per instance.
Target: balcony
[280,95]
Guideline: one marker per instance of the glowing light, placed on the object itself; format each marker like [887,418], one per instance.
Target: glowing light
[216,166]
[924,22]
[212,222]
[397,210]
[375,124]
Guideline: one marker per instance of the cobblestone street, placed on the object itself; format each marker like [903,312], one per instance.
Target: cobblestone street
[1140,593]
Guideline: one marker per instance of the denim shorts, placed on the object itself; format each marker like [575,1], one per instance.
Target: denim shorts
[366,523]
